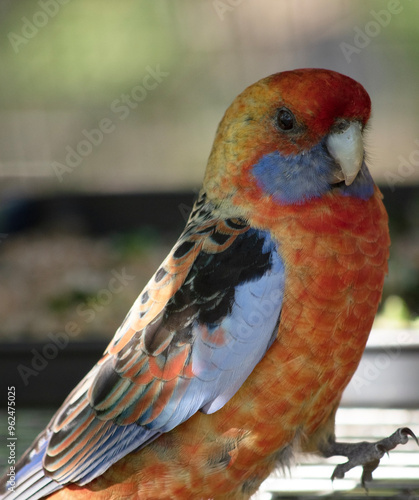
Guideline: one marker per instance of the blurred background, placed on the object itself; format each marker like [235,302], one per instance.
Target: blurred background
[107,115]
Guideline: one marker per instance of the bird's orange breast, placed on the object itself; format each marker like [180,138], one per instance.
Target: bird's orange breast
[335,251]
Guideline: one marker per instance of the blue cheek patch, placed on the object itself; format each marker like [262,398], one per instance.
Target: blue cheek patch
[362,187]
[299,178]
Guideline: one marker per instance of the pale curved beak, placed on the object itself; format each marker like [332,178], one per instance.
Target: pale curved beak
[347,148]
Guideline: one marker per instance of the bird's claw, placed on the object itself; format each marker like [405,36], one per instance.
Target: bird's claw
[368,455]
[408,432]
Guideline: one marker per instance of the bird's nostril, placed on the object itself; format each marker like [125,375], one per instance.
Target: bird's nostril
[341,126]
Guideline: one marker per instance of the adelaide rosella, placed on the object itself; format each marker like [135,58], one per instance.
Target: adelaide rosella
[236,353]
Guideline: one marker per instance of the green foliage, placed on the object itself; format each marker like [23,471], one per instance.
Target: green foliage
[61,303]
[135,243]
[88,52]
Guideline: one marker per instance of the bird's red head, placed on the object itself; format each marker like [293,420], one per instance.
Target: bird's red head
[318,99]
[288,113]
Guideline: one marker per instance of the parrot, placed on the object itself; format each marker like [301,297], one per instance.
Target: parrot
[234,357]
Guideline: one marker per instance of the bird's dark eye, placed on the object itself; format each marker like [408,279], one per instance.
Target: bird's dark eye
[285,119]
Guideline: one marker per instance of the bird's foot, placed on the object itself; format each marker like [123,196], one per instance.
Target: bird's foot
[364,453]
